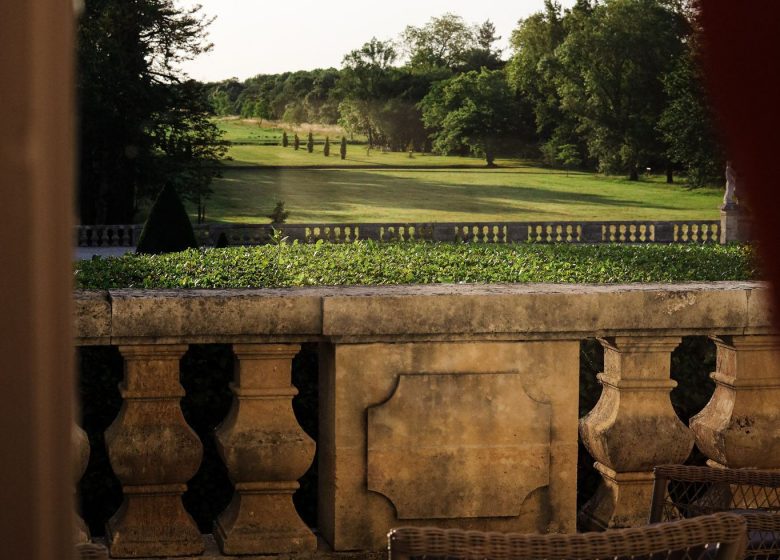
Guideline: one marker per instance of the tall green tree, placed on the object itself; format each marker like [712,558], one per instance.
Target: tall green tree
[137,111]
[687,124]
[613,61]
[475,110]
[535,73]
[443,42]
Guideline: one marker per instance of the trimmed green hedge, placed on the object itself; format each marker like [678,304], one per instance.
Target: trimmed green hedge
[369,263]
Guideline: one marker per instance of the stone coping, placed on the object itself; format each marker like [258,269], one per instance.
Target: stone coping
[420,312]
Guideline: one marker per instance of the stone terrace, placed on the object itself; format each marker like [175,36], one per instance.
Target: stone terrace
[453,406]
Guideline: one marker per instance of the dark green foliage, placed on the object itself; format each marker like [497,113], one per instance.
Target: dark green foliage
[142,123]
[326,149]
[168,228]
[569,156]
[310,143]
[279,215]
[296,142]
[222,241]
[285,140]
[475,111]
[343,149]
[368,263]
[687,124]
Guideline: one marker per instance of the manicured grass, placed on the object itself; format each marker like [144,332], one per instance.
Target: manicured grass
[392,187]
[447,195]
[357,156]
[368,263]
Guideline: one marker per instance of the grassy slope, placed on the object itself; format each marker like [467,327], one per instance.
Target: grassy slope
[393,190]
[375,195]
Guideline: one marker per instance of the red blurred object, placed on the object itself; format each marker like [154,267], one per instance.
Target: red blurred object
[741,48]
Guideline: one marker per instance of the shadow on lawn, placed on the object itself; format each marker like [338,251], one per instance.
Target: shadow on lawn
[329,194]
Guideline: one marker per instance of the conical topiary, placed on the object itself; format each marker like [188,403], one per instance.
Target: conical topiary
[343,150]
[326,149]
[168,228]
[296,142]
[285,141]
[310,143]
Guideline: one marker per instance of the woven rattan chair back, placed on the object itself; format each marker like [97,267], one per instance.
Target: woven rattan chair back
[720,537]
[683,491]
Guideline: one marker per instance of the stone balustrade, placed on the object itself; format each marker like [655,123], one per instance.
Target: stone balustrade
[453,406]
[690,231]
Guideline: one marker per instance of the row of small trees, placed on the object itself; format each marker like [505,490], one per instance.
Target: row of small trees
[310,144]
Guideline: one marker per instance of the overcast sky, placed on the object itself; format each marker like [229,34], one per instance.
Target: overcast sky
[269,36]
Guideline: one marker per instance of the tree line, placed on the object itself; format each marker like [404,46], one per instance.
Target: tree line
[612,85]
[607,84]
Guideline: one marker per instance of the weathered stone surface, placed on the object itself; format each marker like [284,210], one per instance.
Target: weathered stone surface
[153,453]
[760,311]
[537,310]
[266,452]
[433,312]
[632,428]
[92,317]
[358,378]
[461,342]
[739,427]
[213,315]
[481,428]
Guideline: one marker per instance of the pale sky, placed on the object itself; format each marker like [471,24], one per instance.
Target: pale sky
[270,36]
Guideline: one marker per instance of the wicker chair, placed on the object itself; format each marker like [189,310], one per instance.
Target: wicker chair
[687,491]
[719,536]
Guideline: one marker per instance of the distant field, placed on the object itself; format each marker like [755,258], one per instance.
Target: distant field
[357,156]
[376,195]
[379,187]
[257,131]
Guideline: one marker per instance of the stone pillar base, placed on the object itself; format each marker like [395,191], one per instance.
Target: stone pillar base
[261,519]
[622,500]
[734,224]
[153,523]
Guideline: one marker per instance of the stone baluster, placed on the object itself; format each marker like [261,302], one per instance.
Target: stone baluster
[80,445]
[631,429]
[739,427]
[153,453]
[266,452]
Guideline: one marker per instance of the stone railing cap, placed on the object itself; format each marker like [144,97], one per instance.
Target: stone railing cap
[519,310]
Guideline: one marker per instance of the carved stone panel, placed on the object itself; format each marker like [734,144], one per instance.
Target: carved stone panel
[448,446]
[470,435]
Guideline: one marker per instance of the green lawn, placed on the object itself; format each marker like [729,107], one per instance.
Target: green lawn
[357,156]
[392,187]
[421,195]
